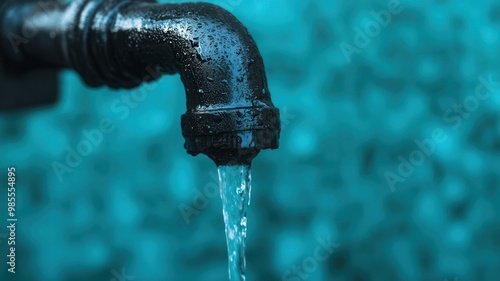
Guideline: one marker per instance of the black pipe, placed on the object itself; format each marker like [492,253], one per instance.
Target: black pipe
[119,43]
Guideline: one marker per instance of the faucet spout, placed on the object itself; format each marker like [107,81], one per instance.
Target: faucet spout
[230,116]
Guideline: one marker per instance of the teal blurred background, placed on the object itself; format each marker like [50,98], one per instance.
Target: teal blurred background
[349,123]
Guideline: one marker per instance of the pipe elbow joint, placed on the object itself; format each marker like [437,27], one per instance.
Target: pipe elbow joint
[122,43]
[230,116]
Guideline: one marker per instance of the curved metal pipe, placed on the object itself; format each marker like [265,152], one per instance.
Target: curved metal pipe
[230,116]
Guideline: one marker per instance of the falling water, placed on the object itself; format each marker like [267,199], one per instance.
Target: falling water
[235,191]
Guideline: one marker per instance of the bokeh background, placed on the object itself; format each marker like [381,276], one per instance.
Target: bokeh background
[347,121]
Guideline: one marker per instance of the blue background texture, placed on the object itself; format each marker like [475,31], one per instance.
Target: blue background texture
[390,148]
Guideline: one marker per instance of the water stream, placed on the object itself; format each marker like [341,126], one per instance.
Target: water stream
[235,191]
